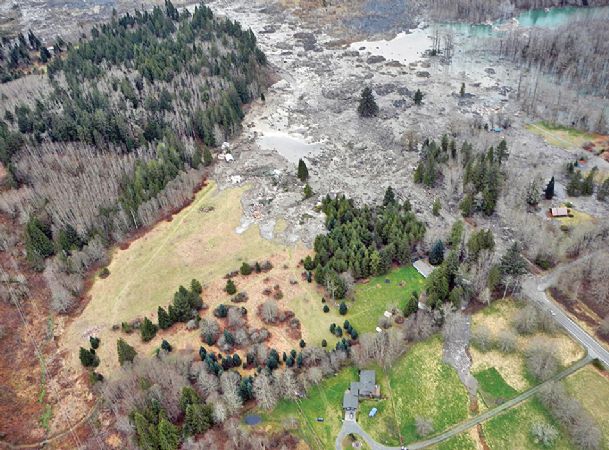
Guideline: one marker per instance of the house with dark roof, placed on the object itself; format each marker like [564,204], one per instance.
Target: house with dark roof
[366,387]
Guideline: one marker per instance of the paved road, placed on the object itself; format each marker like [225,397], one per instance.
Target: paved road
[353,427]
[535,289]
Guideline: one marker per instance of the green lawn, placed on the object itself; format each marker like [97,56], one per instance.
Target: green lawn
[512,429]
[460,442]
[419,384]
[324,400]
[493,388]
[375,297]
[560,136]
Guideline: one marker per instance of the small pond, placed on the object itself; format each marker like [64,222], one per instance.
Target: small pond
[290,147]
[252,419]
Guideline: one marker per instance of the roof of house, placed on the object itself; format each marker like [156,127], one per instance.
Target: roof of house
[367,382]
[350,400]
[562,211]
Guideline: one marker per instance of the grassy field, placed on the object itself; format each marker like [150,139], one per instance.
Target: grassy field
[591,388]
[199,242]
[576,218]
[419,384]
[511,366]
[324,400]
[375,297]
[512,429]
[493,388]
[559,136]
[459,442]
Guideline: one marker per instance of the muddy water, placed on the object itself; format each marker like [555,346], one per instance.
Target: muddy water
[290,147]
[405,47]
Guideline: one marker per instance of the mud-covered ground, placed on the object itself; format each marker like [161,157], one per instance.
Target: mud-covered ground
[315,101]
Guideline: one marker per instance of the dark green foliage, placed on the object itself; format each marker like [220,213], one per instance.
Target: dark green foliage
[88,358]
[309,263]
[307,191]
[148,330]
[436,254]
[342,309]
[467,205]
[198,419]
[412,305]
[202,353]
[483,176]
[195,286]
[184,302]
[228,337]
[482,240]
[125,352]
[236,360]
[462,90]
[169,435]
[246,388]
[166,346]
[163,318]
[38,241]
[147,433]
[512,263]
[188,396]
[326,308]
[94,341]
[245,269]
[456,233]
[68,239]
[324,343]
[428,169]
[389,198]
[364,241]
[549,190]
[602,194]
[303,172]
[437,205]
[221,311]
[367,104]
[207,157]
[230,287]
[418,97]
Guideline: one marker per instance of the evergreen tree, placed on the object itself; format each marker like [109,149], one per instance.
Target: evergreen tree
[389,198]
[462,90]
[435,210]
[302,343]
[38,241]
[147,434]
[183,304]
[88,358]
[326,308]
[436,255]
[126,353]
[367,104]
[207,157]
[188,396]
[512,263]
[163,318]
[165,345]
[303,171]
[418,97]
[230,287]
[196,287]
[342,309]
[197,158]
[588,184]
[502,151]
[602,193]
[198,419]
[307,192]
[245,269]
[94,341]
[467,205]
[549,190]
[148,330]
[324,343]
[169,437]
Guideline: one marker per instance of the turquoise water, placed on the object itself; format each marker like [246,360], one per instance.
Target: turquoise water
[555,17]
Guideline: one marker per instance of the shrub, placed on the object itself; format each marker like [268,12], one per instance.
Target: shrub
[342,309]
[230,287]
[88,358]
[195,286]
[544,434]
[324,343]
[94,341]
[482,338]
[104,272]
[326,308]
[423,426]
[302,343]
[166,346]
[221,311]
[541,360]
[240,297]
[245,269]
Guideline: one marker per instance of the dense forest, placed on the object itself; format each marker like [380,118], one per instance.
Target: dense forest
[19,56]
[363,241]
[117,134]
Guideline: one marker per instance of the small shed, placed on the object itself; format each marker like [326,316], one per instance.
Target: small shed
[423,267]
[372,412]
[225,146]
[228,157]
[562,211]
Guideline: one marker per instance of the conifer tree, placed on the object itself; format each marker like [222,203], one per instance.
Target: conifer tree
[126,353]
[462,90]
[367,104]
[169,437]
[303,171]
[147,435]
[148,330]
[207,157]
[418,97]
[164,320]
[436,255]
[88,358]
[230,287]
[549,190]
